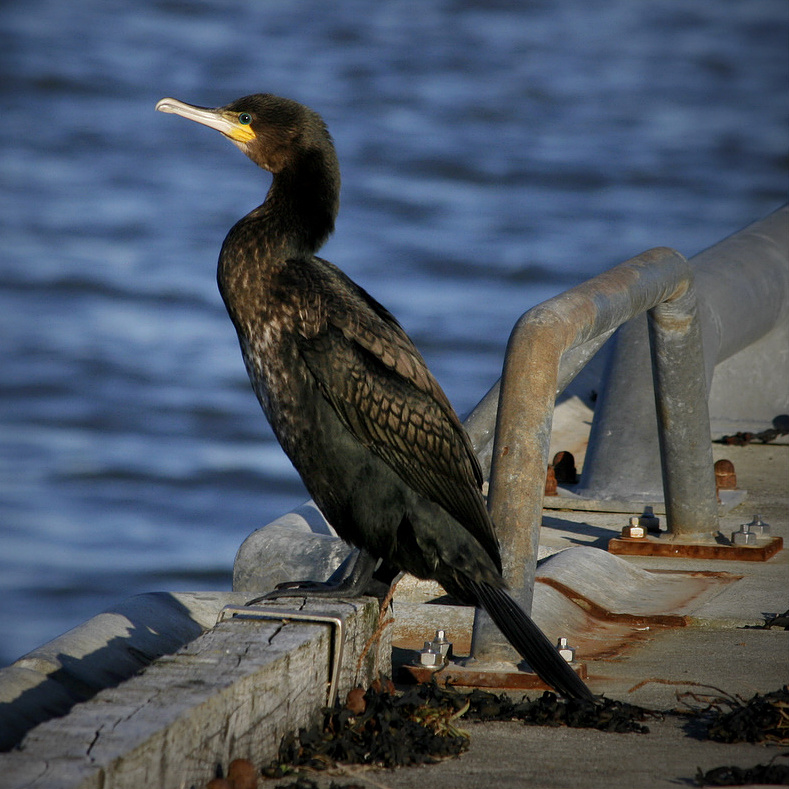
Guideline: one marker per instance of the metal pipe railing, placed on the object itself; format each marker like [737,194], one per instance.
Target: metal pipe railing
[480,424]
[659,281]
[742,284]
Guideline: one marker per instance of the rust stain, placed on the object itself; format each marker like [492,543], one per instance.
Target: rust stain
[551,487]
[414,637]
[722,575]
[599,634]
[598,612]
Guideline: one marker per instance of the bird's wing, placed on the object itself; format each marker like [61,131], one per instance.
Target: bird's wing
[379,385]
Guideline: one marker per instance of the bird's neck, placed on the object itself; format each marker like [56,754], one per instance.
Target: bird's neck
[302,203]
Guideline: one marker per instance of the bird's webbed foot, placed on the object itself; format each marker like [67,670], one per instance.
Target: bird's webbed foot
[363,578]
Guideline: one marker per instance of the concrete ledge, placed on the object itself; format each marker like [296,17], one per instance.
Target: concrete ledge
[100,653]
[231,693]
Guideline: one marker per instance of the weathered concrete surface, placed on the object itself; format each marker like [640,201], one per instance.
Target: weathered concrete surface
[232,692]
[101,653]
[513,756]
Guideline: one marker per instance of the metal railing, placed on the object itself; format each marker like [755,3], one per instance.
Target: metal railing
[549,345]
[660,281]
[742,284]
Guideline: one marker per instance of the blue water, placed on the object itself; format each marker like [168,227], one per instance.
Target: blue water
[494,153]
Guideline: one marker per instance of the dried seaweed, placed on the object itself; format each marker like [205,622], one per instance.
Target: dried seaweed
[308,783]
[761,719]
[780,620]
[386,730]
[770,774]
[780,428]
[549,710]
[382,728]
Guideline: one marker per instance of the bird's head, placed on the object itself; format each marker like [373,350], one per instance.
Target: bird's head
[271,130]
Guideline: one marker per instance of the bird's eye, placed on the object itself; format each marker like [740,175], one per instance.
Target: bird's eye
[244,118]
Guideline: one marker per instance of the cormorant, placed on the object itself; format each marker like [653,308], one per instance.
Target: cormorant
[349,397]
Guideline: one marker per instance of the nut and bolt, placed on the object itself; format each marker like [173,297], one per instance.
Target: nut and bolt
[649,520]
[430,658]
[744,535]
[634,530]
[749,533]
[441,644]
[566,651]
[436,652]
[759,527]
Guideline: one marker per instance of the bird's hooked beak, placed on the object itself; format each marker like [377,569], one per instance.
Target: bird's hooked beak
[222,120]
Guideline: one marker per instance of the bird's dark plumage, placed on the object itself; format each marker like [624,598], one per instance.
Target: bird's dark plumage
[350,399]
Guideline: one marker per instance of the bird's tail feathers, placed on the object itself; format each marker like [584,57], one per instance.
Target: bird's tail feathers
[531,643]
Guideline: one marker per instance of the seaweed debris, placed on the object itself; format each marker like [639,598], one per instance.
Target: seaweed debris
[549,710]
[377,728]
[760,719]
[781,620]
[383,728]
[763,718]
[770,774]
[780,428]
[308,783]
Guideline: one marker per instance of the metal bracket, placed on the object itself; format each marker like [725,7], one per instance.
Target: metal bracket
[649,546]
[480,676]
[286,615]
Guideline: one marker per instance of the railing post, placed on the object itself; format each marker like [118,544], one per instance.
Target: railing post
[517,477]
[683,419]
[526,399]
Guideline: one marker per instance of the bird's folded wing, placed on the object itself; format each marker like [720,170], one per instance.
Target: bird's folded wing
[380,387]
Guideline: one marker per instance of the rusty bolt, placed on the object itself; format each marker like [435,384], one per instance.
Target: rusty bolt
[564,468]
[634,530]
[725,478]
[566,651]
[550,482]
